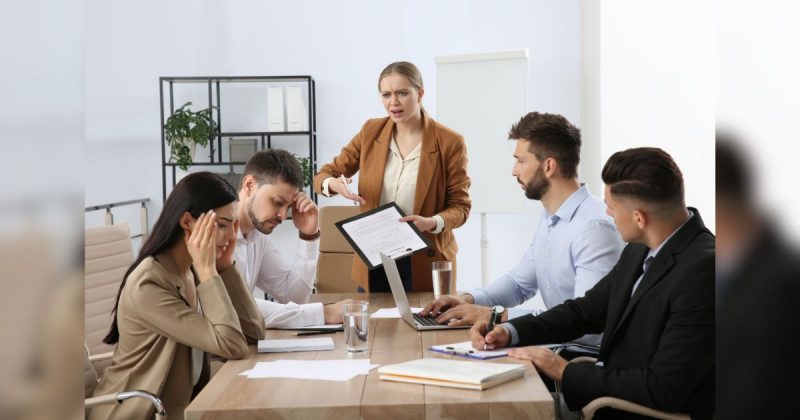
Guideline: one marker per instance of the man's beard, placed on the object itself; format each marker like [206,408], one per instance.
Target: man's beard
[259,225]
[537,186]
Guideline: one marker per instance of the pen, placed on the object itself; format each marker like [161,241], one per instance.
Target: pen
[316,332]
[492,317]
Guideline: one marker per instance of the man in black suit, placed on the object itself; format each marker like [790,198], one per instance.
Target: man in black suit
[655,307]
[758,282]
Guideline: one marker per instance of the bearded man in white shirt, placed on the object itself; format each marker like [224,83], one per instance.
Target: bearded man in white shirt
[272,183]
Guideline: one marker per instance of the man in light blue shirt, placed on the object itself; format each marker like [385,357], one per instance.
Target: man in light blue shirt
[575,243]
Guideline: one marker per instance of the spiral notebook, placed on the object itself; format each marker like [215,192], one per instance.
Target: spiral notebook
[296,344]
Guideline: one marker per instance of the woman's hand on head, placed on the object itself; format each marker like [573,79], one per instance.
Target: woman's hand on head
[202,246]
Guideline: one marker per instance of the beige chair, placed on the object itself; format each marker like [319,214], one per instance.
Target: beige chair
[589,410]
[108,254]
[335,253]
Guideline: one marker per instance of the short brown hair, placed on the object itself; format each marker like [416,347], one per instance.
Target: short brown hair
[645,173]
[271,166]
[405,69]
[550,136]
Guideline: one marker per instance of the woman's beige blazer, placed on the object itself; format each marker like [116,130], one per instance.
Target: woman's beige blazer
[158,329]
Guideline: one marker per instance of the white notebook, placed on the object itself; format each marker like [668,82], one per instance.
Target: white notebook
[452,373]
[295,344]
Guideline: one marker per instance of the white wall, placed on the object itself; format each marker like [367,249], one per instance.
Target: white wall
[649,81]
[343,44]
[758,98]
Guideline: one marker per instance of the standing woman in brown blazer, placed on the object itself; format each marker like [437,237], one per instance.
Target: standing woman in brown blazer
[181,299]
[410,159]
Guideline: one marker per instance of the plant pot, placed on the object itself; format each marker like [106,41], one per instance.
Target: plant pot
[176,145]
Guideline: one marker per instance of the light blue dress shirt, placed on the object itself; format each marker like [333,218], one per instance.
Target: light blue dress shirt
[570,252]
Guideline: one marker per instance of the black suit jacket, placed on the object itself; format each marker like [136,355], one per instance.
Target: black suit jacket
[757,376]
[658,346]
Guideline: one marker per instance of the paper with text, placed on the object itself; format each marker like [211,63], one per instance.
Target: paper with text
[382,231]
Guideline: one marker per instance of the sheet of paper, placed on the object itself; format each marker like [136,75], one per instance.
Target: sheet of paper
[391,313]
[466,347]
[324,370]
[383,232]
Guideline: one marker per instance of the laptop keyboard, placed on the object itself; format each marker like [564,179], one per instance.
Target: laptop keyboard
[428,321]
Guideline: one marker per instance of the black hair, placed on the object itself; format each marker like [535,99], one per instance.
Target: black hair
[196,193]
[645,173]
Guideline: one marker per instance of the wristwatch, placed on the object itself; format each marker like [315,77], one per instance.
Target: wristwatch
[496,316]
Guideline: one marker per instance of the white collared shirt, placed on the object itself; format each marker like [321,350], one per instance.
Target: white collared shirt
[262,266]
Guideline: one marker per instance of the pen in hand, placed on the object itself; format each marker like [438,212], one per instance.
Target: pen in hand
[492,317]
[490,326]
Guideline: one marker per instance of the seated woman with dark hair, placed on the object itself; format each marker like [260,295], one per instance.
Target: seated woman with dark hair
[180,300]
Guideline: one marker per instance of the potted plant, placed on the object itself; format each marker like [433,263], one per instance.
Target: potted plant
[305,163]
[185,129]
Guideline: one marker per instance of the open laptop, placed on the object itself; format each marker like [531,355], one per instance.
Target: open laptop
[418,322]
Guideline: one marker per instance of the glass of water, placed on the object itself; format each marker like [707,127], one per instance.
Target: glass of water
[356,326]
[442,278]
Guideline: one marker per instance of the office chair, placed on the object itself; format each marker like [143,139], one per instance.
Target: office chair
[589,410]
[108,254]
[90,376]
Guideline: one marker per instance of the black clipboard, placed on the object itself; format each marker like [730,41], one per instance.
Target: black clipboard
[357,249]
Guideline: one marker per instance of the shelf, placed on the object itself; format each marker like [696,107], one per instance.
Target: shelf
[237,79]
[265,133]
[210,164]
[214,84]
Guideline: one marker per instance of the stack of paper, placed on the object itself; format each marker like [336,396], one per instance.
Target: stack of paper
[324,370]
[452,373]
[391,313]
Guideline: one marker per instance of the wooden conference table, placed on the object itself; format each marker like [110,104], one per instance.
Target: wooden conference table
[230,396]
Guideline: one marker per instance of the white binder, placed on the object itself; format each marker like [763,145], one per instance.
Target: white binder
[296,115]
[275,109]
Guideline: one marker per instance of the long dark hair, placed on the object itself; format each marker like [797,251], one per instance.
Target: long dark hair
[196,193]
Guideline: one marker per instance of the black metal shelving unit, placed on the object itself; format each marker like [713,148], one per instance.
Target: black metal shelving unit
[167,85]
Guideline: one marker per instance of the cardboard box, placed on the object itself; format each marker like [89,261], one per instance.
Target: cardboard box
[333,273]
[331,239]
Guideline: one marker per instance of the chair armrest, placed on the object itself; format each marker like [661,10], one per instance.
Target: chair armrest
[122,396]
[100,400]
[619,404]
[624,405]
[100,356]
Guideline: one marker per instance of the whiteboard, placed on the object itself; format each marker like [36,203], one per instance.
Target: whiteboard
[481,96]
